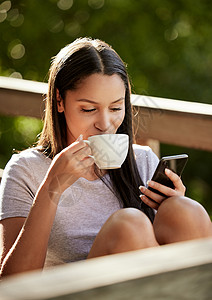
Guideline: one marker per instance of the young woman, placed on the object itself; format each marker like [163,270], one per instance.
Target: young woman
[56,206]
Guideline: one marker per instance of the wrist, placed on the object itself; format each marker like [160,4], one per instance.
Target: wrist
[56,184]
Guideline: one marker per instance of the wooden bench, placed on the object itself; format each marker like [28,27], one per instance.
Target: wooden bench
[177,271]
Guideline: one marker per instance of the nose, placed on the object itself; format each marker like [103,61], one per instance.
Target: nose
[104,122]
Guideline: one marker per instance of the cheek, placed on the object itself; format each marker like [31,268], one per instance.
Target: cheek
[119,119]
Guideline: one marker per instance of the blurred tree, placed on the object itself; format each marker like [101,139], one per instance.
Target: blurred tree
[166,45]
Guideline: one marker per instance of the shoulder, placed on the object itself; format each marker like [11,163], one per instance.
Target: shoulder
[28,156]
[21,179]
[27,162]
[144,152]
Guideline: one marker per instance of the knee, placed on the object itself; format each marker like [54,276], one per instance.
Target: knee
[177,208]
[129,219]
[130,229]
[184,214]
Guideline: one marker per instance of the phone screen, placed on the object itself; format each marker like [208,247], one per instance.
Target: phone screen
[176,163]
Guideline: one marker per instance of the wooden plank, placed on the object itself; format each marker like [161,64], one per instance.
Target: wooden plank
[174,122]
[191,283]
[162,104]
[22,97]
[177,128]
[21,103]
[23,85]
[176,271]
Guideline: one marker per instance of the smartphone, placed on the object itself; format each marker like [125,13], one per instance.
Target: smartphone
[176,163]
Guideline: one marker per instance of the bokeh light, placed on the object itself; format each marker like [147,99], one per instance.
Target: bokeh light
[17,51]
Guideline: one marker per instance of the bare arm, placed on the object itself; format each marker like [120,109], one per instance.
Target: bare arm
[9,230]
[28,252]
[29,249]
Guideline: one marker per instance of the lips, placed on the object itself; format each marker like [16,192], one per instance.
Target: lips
[99,133]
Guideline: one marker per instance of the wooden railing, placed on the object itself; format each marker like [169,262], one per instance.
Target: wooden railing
[168,121]
[176,271]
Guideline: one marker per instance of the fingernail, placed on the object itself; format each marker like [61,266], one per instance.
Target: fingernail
[142,197]
[80,138]
[141,188]
[91,156]
[148,181]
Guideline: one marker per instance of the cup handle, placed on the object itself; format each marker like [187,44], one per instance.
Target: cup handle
[88,143]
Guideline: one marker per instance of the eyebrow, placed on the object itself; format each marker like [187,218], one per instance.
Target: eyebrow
[94,102]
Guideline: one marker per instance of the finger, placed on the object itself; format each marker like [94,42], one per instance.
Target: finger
[175,179]
[75,147]
[81,166]
[149,202]
[87,162]
[150,194]
[82,153]
[167,191]
[80,138]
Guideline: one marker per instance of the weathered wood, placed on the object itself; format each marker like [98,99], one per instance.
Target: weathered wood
[20,97]
[174,122]
[176,128]
[176,271]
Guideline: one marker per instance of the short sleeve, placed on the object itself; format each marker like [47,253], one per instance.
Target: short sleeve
[17,190]
[146,161]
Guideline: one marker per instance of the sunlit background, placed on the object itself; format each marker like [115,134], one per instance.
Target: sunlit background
[166,44]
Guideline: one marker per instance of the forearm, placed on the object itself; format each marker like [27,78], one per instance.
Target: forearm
[29,250]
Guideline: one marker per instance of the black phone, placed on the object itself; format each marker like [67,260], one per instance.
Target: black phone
[176,163]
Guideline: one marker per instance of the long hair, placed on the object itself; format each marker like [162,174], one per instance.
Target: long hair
[73,63]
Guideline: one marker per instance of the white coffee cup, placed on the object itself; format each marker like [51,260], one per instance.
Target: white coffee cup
[109,150]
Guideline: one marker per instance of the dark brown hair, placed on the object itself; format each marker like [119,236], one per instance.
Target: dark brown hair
[73,63]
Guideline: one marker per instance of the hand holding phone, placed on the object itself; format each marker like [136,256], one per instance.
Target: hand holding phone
[175,163]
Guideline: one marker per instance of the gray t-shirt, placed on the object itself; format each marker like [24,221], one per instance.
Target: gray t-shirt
[83,207]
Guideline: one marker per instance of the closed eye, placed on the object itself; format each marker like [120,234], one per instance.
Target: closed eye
[116,108]
[93,109]
[88,110]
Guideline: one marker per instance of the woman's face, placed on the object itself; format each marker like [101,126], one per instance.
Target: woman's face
[96,106]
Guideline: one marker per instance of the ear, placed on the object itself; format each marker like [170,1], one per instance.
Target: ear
[60,103]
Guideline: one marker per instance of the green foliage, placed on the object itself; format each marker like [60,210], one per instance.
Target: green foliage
[166,44]
[17,134]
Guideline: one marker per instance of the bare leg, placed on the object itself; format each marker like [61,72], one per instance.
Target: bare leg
[181,219]
[126,230]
